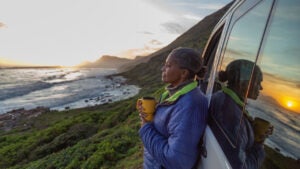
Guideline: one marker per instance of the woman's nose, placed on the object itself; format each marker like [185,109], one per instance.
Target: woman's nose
[260,87]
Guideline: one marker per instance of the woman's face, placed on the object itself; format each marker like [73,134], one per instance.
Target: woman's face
[255,87]
[172,73]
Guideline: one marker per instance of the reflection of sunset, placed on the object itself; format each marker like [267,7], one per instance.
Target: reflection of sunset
[289,103]
[284,92]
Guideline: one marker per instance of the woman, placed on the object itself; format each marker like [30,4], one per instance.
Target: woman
[172,140]
[229,120]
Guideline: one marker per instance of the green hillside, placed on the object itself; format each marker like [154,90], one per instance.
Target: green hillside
[103,136]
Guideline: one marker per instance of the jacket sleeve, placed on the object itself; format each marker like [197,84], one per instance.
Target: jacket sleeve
[255,156]
[253,153]
[247,159]
[227,126]
[185,127]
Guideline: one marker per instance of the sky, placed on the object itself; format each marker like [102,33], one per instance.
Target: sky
[68,32]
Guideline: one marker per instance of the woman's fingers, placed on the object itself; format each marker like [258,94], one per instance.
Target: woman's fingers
[143,118]
[270,130]
[140,107]
[142,115]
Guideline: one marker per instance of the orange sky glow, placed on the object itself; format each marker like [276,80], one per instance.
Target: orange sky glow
[69,32]
[285,93]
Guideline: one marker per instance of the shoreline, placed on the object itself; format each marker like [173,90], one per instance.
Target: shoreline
[113,88]
[117,90]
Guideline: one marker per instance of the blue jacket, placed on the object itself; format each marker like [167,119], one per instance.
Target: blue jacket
[171,140]
[234,133]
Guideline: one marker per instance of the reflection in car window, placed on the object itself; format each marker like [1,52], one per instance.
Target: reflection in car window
[279,101]
[229,119]
[246,34]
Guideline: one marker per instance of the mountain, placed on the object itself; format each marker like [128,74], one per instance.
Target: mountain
[106,61]
[195,37]
[137,60]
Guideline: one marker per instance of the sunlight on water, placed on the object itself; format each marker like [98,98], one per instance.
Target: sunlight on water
[30,88]
[73,75]
[59,88]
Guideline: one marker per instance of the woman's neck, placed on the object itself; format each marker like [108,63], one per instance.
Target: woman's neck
[237,92]
[173,89]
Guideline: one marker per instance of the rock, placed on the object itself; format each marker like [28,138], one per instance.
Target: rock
[12,119]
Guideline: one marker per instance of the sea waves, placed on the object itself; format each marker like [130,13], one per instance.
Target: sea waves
[59,88]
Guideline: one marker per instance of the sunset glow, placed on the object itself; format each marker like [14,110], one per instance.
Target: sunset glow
[289,103]
[69,32]
[286,94]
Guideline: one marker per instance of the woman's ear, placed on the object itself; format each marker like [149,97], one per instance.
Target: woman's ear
[185,74]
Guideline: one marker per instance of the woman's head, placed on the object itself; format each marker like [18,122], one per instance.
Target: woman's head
[238,74]
[181,64]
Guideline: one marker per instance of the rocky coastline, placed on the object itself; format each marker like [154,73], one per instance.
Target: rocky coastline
[115,90]
[20,118]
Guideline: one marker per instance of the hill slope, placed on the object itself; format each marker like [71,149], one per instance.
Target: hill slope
[195,37]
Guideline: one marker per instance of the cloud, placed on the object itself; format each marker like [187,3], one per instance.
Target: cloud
[150,47]
[155,42]
[174,28]
[193,17]
[146,33]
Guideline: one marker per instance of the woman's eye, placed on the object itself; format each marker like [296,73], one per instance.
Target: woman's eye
[167,65]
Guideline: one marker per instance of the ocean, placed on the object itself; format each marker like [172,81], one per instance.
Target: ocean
[286,133]
[60,88]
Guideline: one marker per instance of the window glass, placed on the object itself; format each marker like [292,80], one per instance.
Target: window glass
[246,35]
[279,101]
[236,79]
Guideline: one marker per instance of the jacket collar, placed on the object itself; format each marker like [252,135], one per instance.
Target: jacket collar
[168,98]
[237,100]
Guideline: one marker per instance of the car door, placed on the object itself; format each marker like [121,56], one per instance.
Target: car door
[254,31]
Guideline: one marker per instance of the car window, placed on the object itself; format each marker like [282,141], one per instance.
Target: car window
[239,59]
[246,35]
[209,57]
[279,101]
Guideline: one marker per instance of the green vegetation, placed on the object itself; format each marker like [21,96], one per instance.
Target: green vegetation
[98,137]
[103,136]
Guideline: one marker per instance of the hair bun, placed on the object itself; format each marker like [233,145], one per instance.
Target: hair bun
[201,73]
[223,76]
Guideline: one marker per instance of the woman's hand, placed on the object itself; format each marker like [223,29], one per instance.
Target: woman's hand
[141,113]
[266,134]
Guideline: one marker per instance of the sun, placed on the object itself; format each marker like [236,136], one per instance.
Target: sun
[289,104]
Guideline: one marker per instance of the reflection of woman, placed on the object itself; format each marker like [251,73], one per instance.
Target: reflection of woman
[171,140]
[230,121]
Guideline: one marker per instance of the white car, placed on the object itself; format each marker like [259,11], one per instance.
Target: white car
[266,32]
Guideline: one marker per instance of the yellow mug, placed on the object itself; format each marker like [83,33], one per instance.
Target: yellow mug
[148,104]
[260,127]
